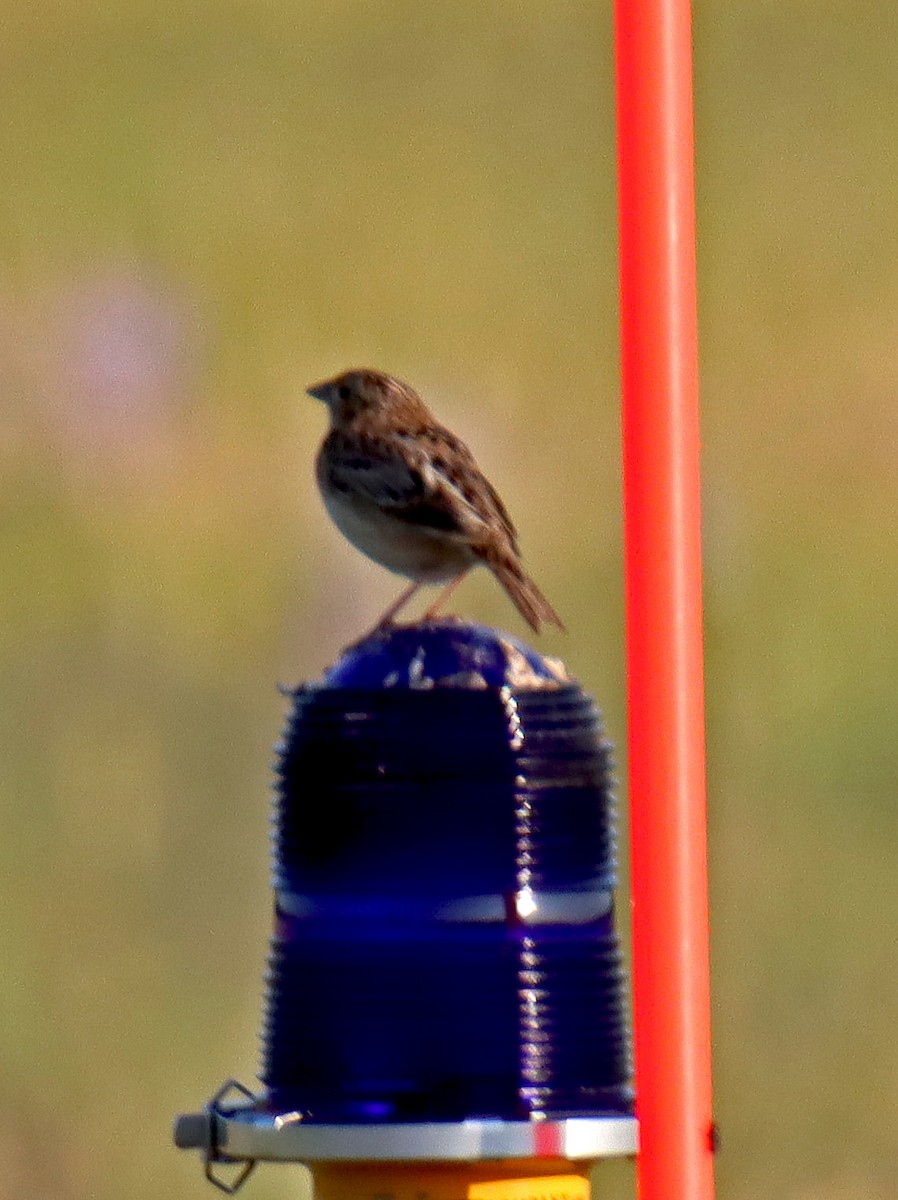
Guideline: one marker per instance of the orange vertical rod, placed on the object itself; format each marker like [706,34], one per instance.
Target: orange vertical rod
[663,599]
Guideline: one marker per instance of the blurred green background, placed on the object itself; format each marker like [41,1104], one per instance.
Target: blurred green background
[205,206]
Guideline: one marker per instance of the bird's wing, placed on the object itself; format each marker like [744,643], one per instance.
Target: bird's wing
[400,478]
[501,512]
[454,463]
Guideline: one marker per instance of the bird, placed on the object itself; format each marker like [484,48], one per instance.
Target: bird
[407,492]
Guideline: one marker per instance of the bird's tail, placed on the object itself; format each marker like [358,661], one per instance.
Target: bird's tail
[525,595]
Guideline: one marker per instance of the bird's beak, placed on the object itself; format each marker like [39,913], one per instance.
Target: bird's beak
[319,390]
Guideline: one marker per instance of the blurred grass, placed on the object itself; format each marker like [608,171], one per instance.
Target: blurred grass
[204,207]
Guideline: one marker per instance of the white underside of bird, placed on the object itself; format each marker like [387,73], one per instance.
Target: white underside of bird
[425,555]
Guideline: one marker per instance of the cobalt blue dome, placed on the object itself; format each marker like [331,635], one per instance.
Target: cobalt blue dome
[444,653]
[444,942]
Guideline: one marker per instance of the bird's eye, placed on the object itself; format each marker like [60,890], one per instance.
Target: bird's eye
[344,392]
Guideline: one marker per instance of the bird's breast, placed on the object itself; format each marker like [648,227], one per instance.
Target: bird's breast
[417,552]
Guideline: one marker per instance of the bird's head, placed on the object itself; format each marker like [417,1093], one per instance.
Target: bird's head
[363,391]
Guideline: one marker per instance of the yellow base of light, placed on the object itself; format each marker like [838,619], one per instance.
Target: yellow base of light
[526,1180]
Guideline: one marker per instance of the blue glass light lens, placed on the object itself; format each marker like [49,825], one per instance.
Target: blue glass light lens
[444,940]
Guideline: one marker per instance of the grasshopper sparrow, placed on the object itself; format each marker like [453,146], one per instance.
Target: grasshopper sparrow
[408,493]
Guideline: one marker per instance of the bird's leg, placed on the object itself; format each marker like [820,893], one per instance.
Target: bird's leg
[387,618]
[444,595]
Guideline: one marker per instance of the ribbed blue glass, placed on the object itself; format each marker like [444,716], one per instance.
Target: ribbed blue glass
[444,941]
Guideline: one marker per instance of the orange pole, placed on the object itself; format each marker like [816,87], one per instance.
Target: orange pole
[663,598]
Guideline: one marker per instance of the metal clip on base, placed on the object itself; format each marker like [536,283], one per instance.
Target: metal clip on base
[201,1131]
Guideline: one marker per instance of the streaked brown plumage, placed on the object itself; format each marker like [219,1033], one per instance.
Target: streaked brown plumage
[408,493]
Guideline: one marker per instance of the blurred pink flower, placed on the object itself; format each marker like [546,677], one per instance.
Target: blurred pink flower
[124,352]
